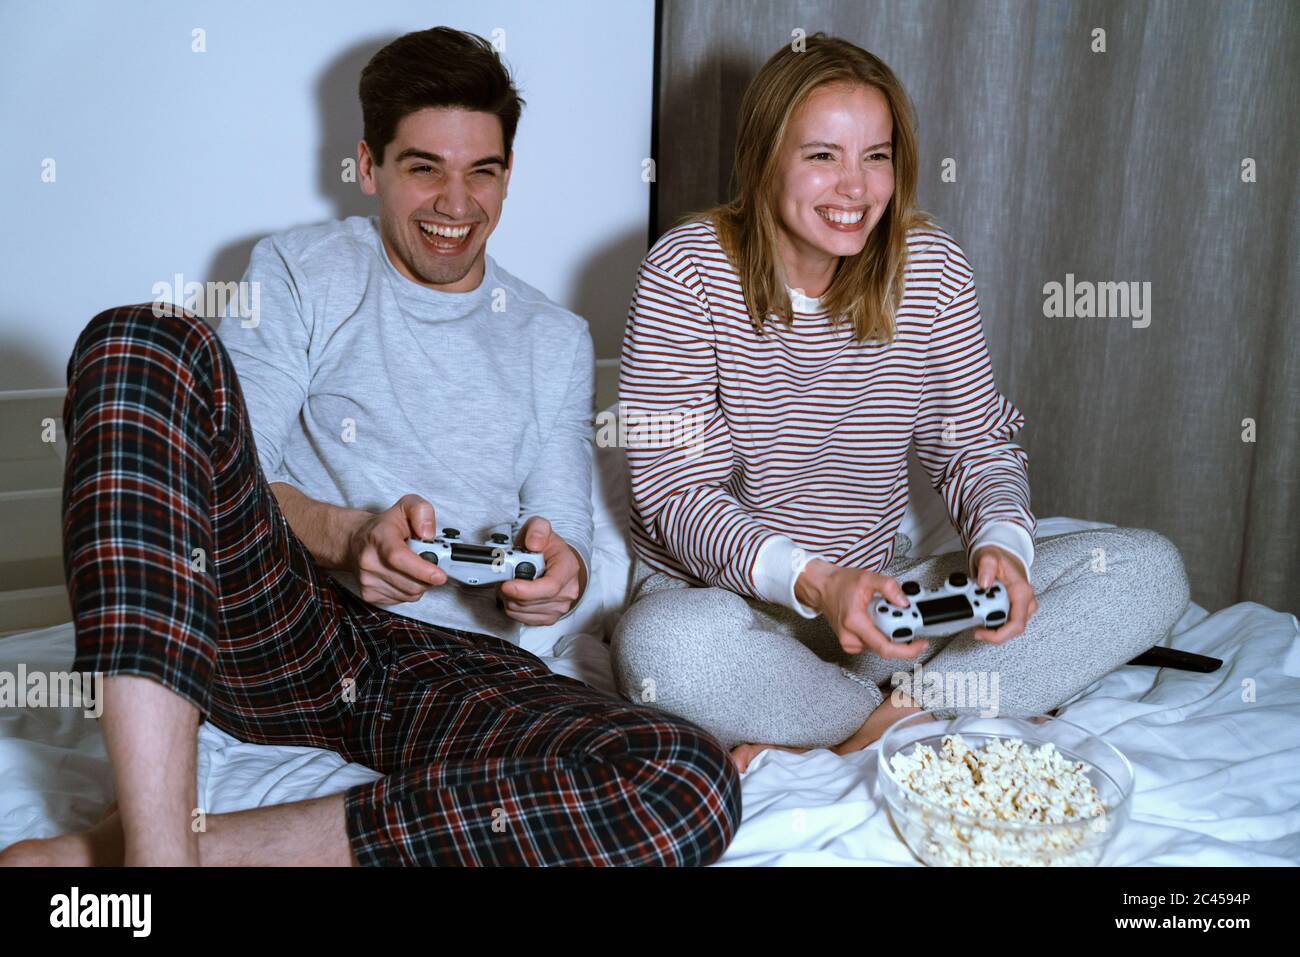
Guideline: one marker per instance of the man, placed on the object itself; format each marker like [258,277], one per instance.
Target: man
[392,360]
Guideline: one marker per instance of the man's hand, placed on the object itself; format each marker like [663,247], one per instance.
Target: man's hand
[543,601]
[843,596]
[992,562]
[387,570]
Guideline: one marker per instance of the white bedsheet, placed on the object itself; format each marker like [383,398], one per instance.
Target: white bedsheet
[1218,777]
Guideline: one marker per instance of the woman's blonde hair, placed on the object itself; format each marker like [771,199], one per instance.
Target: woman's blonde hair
[867,288]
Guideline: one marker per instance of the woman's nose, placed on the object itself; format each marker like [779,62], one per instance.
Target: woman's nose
[853,183]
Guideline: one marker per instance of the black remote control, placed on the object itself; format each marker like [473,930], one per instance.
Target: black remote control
[1161,657]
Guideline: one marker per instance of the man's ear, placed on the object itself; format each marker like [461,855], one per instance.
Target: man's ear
[365,169]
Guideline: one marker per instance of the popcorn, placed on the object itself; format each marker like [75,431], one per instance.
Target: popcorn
[1007,783]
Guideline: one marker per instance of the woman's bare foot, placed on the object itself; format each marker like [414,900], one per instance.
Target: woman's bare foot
[742,754]
[101,845]
[886,713]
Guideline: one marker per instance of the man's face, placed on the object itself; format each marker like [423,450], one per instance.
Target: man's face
[440,188]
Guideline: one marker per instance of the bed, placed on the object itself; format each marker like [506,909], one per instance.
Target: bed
[1217,756]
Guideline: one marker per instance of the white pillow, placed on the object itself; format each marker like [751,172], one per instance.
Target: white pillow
[611,558]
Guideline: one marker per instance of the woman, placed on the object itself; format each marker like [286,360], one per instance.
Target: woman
[800,338]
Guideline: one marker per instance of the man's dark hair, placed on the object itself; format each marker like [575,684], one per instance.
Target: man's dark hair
[443,68]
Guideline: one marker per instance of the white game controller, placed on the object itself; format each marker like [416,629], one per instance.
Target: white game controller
[954,606]
[487,564]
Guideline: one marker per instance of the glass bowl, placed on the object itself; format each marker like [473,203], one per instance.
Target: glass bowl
[941,836]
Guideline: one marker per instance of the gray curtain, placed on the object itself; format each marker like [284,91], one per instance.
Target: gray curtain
[1122,166]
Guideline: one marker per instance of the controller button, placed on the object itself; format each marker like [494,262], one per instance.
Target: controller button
[911,588]
[979,591]
[902,633]
[957,579]
[897,614]
[993,591]
[450,533]
[884,608]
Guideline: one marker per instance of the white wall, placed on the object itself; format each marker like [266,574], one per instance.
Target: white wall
[171,161]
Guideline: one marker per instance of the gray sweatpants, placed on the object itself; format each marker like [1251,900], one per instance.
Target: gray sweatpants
[751,671]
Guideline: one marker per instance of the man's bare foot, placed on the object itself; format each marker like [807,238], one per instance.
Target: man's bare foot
[308,833]
[101,845]
[742,754]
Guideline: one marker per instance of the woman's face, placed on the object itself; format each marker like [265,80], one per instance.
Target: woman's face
[836,174]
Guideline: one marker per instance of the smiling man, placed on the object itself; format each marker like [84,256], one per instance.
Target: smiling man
[238,507]
[402,381]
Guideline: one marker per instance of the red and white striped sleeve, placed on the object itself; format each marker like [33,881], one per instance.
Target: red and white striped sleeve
[964,424]
[679,450]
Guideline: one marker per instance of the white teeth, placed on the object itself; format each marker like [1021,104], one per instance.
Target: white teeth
[839,216]
[450,232]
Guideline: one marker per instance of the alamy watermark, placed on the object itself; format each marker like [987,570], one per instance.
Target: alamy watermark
[947,689]
[75,909]
[53,689]
[1098,300]
[239,300]
[652,429]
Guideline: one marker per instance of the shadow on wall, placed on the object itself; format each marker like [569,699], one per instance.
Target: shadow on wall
[603,292]
[18,358]
[339,112]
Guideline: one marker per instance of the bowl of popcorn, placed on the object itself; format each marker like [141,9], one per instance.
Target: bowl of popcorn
[1003,792]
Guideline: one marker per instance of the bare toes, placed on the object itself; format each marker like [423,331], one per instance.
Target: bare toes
[33,852]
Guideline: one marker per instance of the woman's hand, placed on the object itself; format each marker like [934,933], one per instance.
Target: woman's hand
[992,562]
[842,595]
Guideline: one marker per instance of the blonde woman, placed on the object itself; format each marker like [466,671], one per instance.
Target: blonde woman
[802,337]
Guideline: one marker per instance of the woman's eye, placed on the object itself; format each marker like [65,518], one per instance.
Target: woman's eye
[820,156]
[880,156]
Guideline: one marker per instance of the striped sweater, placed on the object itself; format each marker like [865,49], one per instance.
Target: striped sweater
[794,443]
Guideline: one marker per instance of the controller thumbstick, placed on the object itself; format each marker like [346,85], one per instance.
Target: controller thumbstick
[957,579]
[499,539]
[450,533]
[526,570]
[911,588]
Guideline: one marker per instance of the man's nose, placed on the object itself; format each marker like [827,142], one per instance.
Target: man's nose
[454,201]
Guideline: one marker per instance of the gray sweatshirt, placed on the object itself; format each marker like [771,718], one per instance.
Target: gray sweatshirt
[363,386]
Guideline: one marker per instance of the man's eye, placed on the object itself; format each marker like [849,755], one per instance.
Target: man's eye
[421,169]
[486,172]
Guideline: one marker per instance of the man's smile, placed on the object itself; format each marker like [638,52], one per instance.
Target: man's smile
[446,240]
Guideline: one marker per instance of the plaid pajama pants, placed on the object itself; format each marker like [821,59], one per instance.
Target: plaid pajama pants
[181,567]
